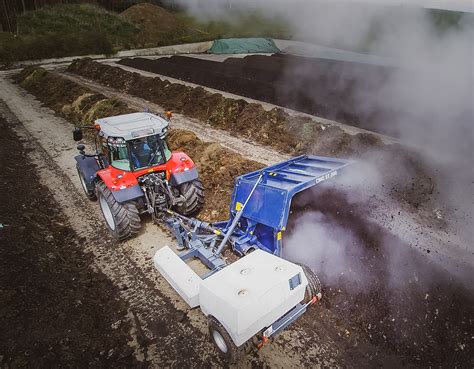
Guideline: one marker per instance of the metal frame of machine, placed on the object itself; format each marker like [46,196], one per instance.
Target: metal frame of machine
[259,212]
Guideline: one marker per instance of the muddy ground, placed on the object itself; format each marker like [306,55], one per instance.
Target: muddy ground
[405,173]
[381,289]
[326,88]
[389,307]
[56,310]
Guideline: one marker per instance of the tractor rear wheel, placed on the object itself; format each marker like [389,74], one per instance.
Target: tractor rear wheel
[222,341]
[314,285]
[89,191]
[193,192]
[122,220]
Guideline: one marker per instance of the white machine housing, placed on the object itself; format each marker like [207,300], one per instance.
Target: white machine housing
[245,297]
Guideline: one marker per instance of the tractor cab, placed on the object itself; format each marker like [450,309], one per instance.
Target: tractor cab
[136,154]
[134,142]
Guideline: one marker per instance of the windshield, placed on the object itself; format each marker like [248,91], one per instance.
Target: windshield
[148,151]
[117,153]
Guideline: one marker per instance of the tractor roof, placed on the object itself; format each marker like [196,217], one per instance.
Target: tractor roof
[134,125]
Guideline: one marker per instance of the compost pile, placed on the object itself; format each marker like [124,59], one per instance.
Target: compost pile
[326,88]
[381,294]
[55,310]
[405,174]
[156,25]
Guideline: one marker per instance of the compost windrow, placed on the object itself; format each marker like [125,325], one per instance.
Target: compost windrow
[327,88]
[413,183]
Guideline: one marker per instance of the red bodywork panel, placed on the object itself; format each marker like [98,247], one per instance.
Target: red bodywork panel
[179,162]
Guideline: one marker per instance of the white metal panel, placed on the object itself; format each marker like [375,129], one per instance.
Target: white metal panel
[183,279]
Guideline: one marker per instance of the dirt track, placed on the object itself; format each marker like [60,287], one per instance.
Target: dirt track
[56,309]
[320,337]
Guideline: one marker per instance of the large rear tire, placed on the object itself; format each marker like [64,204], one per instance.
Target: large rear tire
[87,190]
[222,341]
[193,192]
[122,220]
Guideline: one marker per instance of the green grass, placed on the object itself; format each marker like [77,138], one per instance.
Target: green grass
[242,25]
[66,30]
[76,19]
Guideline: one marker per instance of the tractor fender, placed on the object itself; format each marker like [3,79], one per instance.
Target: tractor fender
[89,167]
[128,194]
[123,185]
[179,178]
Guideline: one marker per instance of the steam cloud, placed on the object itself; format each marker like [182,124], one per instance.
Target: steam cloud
[431,91]
[322,244]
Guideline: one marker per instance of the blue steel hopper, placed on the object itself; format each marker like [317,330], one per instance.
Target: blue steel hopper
[266,214]
[259,210]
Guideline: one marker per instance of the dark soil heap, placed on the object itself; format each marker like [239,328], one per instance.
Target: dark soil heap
[55,310]
[327,88]
[389,302]
[405,174]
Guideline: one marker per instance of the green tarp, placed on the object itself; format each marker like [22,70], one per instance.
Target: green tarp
[243,46]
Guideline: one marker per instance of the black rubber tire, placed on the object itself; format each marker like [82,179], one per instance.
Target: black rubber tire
[314,285]
[90,193]
[193,192]
[233,353]
[125,216]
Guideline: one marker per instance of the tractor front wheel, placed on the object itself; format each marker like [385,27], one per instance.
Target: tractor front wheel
[222,341]
[193,192]
[122,220]
[88,191]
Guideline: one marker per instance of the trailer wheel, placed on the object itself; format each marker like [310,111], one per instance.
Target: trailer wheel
[122,220]
[193,192]
[222,341]
[88,191]
[314,285]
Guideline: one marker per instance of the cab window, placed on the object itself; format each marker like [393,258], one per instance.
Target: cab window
[118,153]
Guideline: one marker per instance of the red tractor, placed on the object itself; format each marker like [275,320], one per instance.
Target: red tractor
[134,172]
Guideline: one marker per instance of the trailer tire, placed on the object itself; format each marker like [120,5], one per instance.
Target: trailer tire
[193,192]
[122,220]
[313,289]
[222,341]
[88,191]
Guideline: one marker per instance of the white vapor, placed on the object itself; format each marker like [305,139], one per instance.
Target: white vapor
[430,94]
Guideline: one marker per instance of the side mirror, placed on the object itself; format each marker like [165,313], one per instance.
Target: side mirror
[77,134]
[81,149]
